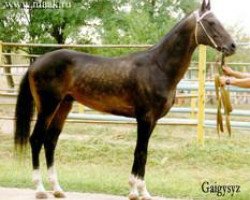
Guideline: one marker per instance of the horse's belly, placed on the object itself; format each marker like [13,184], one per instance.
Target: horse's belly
[117,105]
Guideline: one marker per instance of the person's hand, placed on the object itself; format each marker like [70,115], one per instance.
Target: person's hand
[223,80]
[227,70]
[226,80]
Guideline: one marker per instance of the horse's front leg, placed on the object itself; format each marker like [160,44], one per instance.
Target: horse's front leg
[136,181]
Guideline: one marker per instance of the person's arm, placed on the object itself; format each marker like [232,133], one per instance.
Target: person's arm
[230,72]
[243,82]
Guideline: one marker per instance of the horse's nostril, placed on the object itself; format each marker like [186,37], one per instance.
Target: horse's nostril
[233,46]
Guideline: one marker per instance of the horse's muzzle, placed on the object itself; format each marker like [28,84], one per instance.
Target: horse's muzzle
[229,49]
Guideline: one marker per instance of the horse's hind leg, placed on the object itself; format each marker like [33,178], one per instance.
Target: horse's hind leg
[50,142]
[36,141]
[37,138]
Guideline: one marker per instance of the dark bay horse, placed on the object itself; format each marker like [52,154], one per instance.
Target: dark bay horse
[141,85]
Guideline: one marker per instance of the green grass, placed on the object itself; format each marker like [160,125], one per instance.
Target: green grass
[98,158]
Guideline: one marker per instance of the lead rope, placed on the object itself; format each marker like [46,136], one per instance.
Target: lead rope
[223,98]
[222,95]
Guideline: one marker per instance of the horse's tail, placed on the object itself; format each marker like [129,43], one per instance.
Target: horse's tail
[23,114]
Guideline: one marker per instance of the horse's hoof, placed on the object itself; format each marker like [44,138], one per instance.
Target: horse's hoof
[146,198]
[133,197]
[41,195]
[59,194]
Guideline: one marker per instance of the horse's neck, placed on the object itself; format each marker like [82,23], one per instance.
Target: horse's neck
[173,54]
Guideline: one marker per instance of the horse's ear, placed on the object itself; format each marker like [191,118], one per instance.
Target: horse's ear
[208,5]
[205,5]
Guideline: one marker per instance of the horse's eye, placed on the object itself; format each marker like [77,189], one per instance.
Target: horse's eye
[215,36]
[211,23]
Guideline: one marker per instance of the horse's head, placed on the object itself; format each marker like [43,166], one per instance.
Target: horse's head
[209,31]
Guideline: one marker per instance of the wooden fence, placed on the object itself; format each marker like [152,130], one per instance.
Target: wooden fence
[196,96]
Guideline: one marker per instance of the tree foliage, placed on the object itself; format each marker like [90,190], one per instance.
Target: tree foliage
[92,21]
[9,24]
[122,21]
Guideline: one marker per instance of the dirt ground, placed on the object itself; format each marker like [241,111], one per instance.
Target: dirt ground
[28,194]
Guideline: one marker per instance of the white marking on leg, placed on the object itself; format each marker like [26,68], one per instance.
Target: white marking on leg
[134,194]
[37,180]
[54,180]
[141,185]
[138,188]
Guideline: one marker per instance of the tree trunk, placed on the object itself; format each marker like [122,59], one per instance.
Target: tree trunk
[57,33]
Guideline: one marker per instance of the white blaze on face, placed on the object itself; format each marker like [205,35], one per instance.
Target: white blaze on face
[206,1]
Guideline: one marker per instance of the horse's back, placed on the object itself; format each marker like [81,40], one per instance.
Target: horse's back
[61,57]
[104,84]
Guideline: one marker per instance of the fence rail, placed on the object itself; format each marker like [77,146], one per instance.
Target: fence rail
[190,86]
[112,46]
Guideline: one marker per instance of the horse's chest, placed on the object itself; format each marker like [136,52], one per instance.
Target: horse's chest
[168,103]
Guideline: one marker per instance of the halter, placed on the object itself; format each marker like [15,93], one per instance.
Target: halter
[199,21]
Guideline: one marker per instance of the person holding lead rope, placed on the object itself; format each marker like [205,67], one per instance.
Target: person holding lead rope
[235,78]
